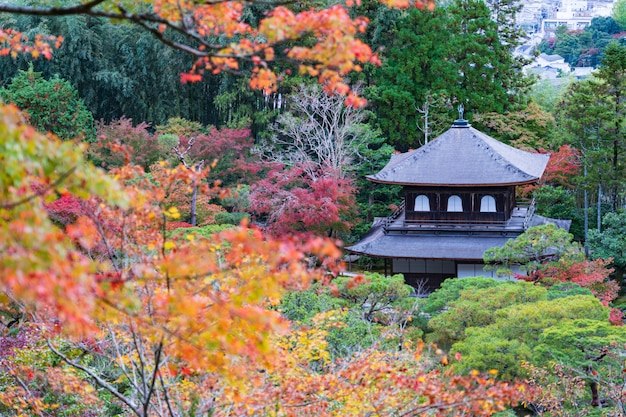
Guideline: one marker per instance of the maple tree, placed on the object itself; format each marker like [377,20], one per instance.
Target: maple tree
[325,42]
[294,202]
[142,284]
[183,323]
[227,151]
[195,207]
[410,382]
[120,143]
[563,169]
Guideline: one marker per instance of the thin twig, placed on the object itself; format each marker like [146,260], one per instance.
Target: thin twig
[101,382]
[39,193]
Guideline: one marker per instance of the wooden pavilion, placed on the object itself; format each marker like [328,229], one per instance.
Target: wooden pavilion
[459,200]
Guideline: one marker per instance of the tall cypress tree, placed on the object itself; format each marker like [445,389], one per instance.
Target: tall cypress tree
[489,77]
[415,67]
[613,74]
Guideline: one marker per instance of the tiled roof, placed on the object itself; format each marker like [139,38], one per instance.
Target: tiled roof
[463,156]
[457,246]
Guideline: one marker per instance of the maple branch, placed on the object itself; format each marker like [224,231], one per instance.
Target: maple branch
[166,394]
[39,193]
[148,21]
[157,360]
[85,8]
[101,382]
[162,329]
[181,154]
[141,366]
[119,354]
[110,252]
[22,384]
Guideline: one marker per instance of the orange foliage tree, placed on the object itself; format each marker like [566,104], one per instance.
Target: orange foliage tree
[324,41]
[162,304]
[183,324]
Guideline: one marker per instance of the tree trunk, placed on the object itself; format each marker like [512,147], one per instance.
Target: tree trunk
[194,195]
[615,160]
[586,215]
[619,275]
[599,219]
[595,400]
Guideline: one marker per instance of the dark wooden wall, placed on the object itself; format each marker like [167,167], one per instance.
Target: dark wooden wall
[471,198]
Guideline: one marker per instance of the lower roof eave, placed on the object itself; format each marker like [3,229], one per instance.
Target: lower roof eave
[453,247]
[415,257]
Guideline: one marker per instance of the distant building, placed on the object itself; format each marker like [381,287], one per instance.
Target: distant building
[553,61]
[549,66]
[582,72]
[544,16]
[459,201]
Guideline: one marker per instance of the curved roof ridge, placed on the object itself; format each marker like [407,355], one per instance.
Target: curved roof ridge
[463,156]
[521,163]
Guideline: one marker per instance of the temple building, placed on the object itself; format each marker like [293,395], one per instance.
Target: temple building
[459,200]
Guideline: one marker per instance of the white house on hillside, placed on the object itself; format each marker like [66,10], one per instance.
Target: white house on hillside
[549,66]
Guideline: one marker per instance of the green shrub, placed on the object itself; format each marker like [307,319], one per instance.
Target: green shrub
[205,232]
[230,218]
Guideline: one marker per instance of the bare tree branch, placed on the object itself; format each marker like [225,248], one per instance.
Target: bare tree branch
[101,382]
[319,133]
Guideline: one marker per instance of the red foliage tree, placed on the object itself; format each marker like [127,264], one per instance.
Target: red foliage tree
[66,209]
[563,166]
[227,150]
[119,143]
[292,201]
[588,274]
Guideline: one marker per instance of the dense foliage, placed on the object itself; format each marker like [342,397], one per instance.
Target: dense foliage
[193,226]
[584,48]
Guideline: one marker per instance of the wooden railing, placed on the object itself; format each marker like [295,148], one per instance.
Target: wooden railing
[397,212]
[530,211]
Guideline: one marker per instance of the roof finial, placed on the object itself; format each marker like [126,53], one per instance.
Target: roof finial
[461,122]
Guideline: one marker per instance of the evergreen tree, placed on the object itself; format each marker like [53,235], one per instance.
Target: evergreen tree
[584,117]
[613,73]
[619,13]
[51,105]
[489,77]
[415,67]
[434,61]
